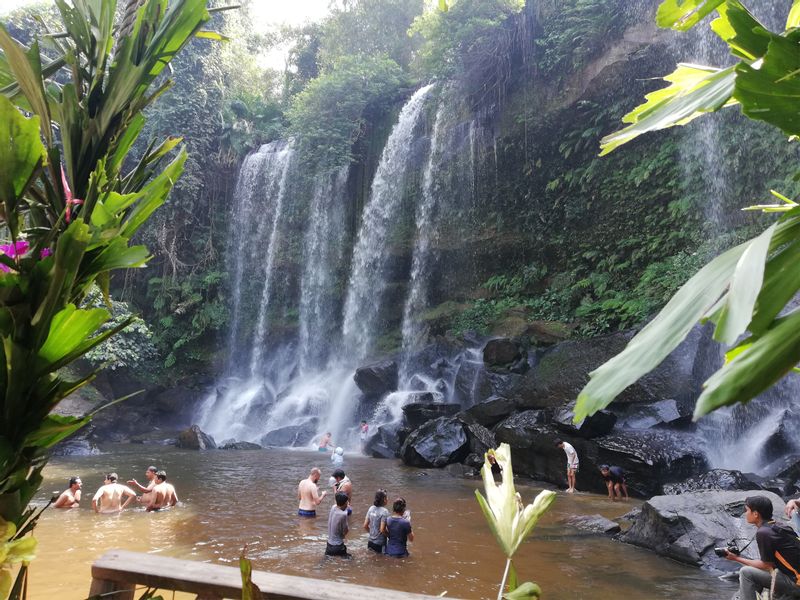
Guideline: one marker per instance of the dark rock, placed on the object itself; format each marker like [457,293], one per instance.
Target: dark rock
[785,467]
[596,425]
[475,461]
[377,379]
[77,445]
[472,383]
[593,524]
[533,450]
[480,439]
[650,458]
[195,439]
[716,479]
[491,411]
[419,413]
[503,355]
[386,442]
[518,429]
[687,527]
[780,442]
[646,416]
[240,446]
[436,444]
[157,437]
[378,450]
[460,470]
[547,333]
[291,435]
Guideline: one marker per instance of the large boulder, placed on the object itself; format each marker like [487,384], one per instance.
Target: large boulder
[503,355]
[436,444]
[472,383]
[687,527]
[489,412]
[418,413]
[386,441]
[717,480]
[596,425]
[593,524]
[377,379]
[195,439]
[480,439]
[240,446]
[291,435]
[533,448]
[650,458]
[663,413]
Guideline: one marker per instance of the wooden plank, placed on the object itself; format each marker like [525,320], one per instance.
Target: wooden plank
[167,573]
[114,590]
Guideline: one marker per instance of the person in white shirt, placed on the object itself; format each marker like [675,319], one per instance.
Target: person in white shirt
[572,463]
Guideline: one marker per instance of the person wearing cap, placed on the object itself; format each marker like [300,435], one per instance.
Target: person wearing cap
[572,463]
[615,481]
[108,499]
[343,484]
[147,490]
[337,457]
[71,497]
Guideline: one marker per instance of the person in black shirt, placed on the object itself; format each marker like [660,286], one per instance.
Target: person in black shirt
[615,481]
[778,548]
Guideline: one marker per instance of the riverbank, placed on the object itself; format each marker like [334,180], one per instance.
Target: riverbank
[236,497]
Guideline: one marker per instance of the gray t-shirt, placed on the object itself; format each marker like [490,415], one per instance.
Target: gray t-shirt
[377,515]
[337,526]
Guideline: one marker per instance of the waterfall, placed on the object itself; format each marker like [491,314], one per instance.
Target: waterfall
[367,282]
[416,301]
[259,338]
[322,260]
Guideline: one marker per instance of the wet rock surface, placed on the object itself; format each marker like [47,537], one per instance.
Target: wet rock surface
[688,526]
[436,444]
[716,479]
[596,425]
[417,414]
[291,436]
[377,379]
[240,446]
[593,524]
[195,439]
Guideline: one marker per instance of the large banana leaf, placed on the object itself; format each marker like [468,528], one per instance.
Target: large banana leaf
[684,14]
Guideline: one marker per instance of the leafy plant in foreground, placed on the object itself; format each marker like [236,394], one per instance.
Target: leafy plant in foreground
[509,520]
[745,291]
[68,212]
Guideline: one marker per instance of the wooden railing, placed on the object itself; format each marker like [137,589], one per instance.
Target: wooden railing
[117,574]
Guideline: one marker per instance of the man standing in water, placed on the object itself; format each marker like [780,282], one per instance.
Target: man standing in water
[71,497]
[325,442]
[147,491]
[363,431]
[343,485]
[163,495]
[308,494]
[337,527]
[572,463]
[108,499]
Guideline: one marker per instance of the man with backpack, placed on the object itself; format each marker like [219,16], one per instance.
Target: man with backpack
[778,548]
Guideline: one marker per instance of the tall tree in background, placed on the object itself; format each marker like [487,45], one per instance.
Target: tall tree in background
[68,210]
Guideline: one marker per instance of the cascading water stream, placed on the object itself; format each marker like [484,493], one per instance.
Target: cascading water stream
[259,340]
[367,282]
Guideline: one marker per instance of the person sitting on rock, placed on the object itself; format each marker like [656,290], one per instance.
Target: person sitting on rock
[615,481]
[778,548]
[71,497]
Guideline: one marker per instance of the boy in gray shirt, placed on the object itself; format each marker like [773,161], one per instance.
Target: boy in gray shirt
[337,527]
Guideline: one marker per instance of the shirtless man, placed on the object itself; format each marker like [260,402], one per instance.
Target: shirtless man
[308,494]
[71,497]
[107,499]
[325,443]
[147,490]
[164,495]
[343,484]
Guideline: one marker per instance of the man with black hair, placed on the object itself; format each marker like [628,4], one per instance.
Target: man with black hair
[615,481]
[147,490]
[344,485]
[71,497]
[164,495]
[337,527]
[572,463]
[108,499]
[778,548]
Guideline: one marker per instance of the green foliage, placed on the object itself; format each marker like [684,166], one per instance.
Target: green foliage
[744,290]
[328,116]
[69,211]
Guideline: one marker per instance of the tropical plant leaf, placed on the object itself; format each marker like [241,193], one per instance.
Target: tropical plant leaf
[526,591]
[661,336]
[153,195]
[682,15]
[69,329]
[694,91]
[765,361]
[738,28]
[793,20]
[250,591]
[55,428]
[770,91]
[737,311]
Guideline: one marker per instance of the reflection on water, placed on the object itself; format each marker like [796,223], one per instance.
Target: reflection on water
[235,497]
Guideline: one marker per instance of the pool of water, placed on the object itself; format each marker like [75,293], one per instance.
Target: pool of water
[233,498]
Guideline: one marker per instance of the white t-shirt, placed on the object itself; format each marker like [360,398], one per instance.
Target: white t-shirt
[572,456]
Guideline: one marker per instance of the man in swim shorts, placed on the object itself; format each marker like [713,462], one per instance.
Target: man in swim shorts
[325,443]
[308,494]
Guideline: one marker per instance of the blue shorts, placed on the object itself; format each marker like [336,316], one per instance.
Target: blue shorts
[322,449]
[349,511]
[306,513]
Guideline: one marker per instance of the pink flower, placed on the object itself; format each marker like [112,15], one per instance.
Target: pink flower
[68,194]
[13,251]
[45,253]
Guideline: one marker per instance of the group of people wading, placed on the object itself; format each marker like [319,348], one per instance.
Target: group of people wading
[389,533]
[113,497]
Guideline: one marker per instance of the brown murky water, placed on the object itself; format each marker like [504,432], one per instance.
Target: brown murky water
[232,498]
